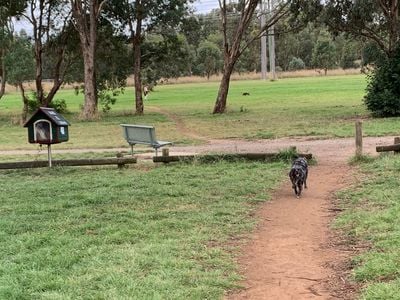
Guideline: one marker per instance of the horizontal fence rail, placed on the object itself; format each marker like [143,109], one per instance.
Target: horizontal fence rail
[120,161]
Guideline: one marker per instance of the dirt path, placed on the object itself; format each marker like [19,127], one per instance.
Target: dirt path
[179,123]
[289,256]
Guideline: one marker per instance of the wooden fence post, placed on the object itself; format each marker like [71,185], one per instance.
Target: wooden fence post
[396,141]
[359,138]
[165,152]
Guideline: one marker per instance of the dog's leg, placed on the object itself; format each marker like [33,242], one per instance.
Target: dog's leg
[305,179]
[300,188]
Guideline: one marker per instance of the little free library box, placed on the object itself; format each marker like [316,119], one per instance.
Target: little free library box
[46,126]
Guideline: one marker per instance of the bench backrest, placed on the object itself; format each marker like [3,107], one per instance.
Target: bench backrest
[139,134]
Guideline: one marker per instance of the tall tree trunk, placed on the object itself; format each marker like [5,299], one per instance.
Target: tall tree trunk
[136,43]
[3,76]
[233,51]
[89,52]
[38,32]
[220,104]
[90,106]
[87,30]
[24,114]
[38,74]
[138,81]
[58,76]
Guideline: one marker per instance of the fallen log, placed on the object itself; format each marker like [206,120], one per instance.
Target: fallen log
[228,157]
[119,161]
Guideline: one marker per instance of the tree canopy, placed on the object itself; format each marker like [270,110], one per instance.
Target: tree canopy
[157,39]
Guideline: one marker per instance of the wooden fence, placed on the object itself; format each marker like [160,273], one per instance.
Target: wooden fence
[119,161]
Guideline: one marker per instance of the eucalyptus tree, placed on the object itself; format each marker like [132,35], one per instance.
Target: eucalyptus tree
[8,9]
[86,15]
[164,56]
[5,45]
[237,41]
[324,55]
[49,21]
[20,65]
[140,17]
[209,58]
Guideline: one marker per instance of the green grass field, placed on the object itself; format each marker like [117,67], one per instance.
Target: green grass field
[322,107]
[372,220]
[146,232]
[170,232]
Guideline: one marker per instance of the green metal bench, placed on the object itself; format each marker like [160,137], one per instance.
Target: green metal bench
[142,134]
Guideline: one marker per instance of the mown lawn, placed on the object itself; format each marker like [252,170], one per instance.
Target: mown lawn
[144,232]
[321,107]
[372,218]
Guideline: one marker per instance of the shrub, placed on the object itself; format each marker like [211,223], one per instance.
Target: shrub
[296,63]
[58,104]
[383,89]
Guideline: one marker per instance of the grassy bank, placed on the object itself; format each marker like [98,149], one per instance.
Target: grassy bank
[372,220]
[139,233]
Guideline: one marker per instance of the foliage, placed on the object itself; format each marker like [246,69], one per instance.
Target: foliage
[143,233]
[10,8]
[60,105]
[164,56]
[108,98]
[324,55]
[349,54]
[383,90]
[296,64]
[372,54]
[209,58]
[20,62]
[111,65]
[376,20]
[112,69]
[140,18]
[288,154]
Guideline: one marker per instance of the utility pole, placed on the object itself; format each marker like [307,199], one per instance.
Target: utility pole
[271,43]
[263,43]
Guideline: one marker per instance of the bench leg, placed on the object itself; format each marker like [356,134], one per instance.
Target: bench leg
[156,152]
[132,150]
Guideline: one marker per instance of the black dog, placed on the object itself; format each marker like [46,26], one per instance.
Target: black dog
[298,175]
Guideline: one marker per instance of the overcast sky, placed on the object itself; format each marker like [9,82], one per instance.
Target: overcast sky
[204,6]
[201,6]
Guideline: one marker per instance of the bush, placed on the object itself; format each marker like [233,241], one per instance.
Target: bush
[59,105]
[383,89]
[296,63]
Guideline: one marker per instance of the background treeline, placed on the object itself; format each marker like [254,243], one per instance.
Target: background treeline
[101,43]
